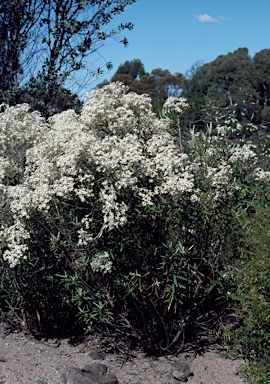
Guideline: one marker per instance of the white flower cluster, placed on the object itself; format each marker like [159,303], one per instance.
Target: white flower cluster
[101,263]
[260,175]
[19,130]
[114,213]
[173,104]
[16,237]
[223,130]
[217,160]
[111,110]
[242,153]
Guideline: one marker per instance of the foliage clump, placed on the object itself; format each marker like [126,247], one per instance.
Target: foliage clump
[251,339]
[123,218]
[236,81]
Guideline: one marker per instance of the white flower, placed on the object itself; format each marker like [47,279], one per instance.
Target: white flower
[242,153]
[260,175]
[16,237]
[173,104]
[101,263]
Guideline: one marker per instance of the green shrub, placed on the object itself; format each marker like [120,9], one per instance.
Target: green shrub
[127,219]
[252,297]
[258,371]
[32,297]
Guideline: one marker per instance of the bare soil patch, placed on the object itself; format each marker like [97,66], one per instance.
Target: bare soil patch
[24,360]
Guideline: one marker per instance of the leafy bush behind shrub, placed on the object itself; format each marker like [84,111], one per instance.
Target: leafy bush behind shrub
[252,297]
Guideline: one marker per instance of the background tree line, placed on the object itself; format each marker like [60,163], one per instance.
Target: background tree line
[236,81]
[159,84]
[45,60]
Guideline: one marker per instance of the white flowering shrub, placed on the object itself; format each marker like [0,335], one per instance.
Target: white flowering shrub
[115,148]
[138,226]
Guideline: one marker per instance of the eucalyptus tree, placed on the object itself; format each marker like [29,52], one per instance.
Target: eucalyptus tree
[231,79]
[18,19]
[159,84]
[134,68]
[227,82]
[54,41]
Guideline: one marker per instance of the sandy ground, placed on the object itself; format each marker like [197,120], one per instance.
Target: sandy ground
[28,361]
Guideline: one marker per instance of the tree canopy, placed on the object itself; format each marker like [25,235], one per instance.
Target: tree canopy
[159,84]
[236,81]
[51,41]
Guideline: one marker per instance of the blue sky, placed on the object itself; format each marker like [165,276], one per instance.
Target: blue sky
[175,34]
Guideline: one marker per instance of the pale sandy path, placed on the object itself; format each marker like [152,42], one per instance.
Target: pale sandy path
[24,360]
